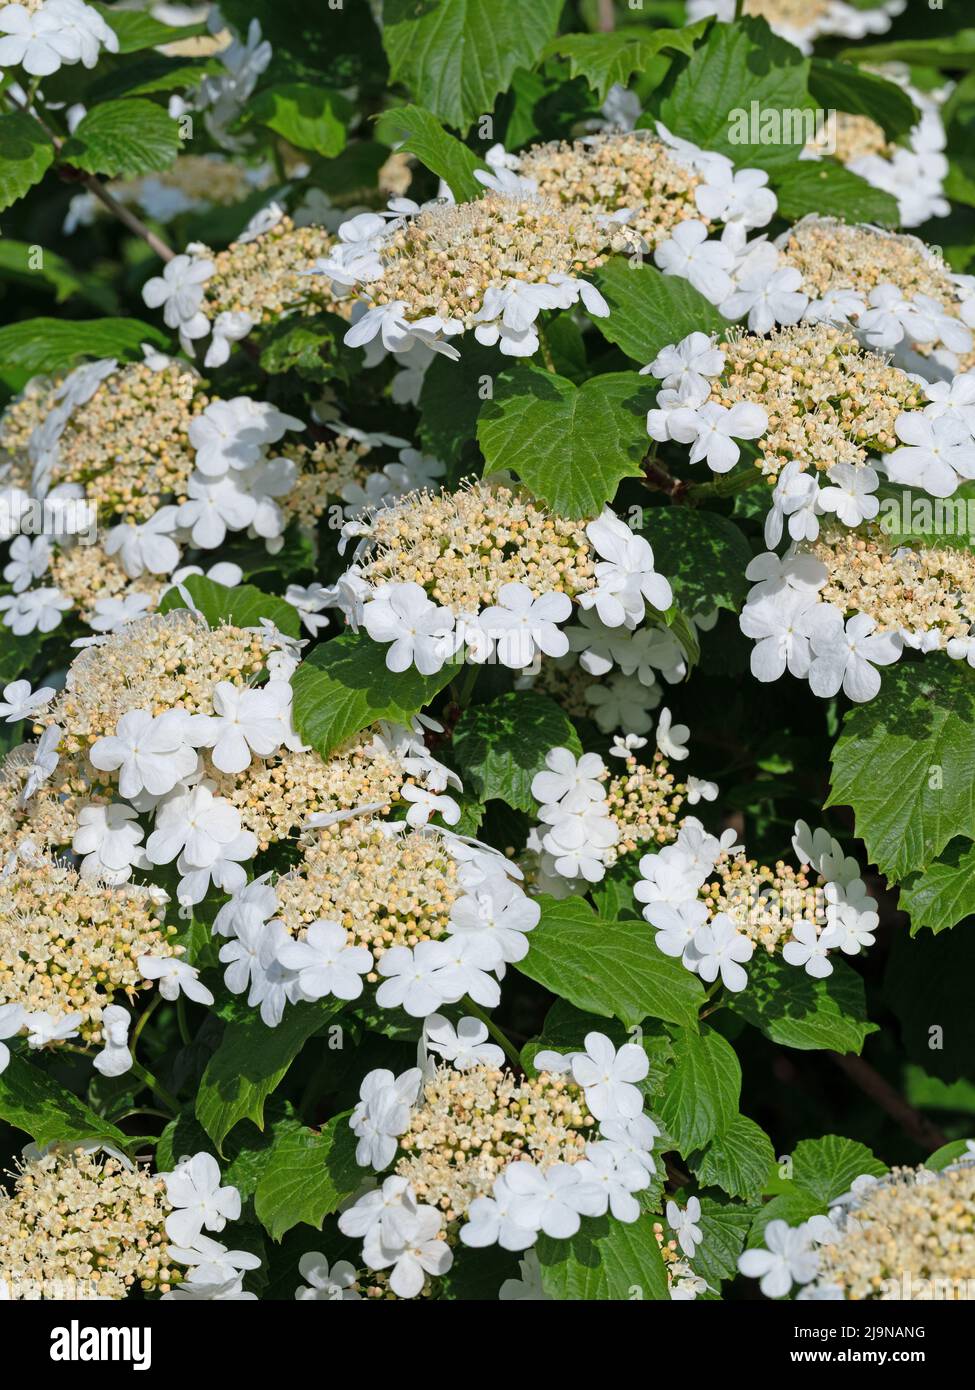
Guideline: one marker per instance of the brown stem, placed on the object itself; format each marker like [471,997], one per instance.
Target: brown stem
[96,188]
[658,477]
[915,1125]
[607,16]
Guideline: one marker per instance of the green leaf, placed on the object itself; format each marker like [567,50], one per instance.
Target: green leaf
[51,345]
[704,556]
[947,1154]
[418,132]
[943,894]
[145,76]
[737,1160]
[605,59]
[648,310]
[450,402]
[30,1100]
[137,30]
[905,763]
[123,138]
[455,56]
[26,153]
[29,264]
[833,191]
[571,446]
[606,1260]
[345,685]
[307,1174]
[843,87]
[794,1010]
[17,654]
[243,606]
[308,117]
[954,51]
[826,1167]
[742,68]
[724,1226]
[607,968]
[500,746]
[251,1061]
[793,1207]
[701,1098]
[310,345]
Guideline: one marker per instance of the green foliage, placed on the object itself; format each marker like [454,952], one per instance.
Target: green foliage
[648,309]
[123,138]
[500,746]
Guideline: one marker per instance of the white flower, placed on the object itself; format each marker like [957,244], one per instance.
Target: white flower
[12,1020]
[796,496]
[700,790]
[44,764]
[174,976]
[426,804]
[847,655]
[670,876]
[742,197]
[226,871]
[36,610]
[891,316]
[180,289]
[712,429]
[607,1076]
[326,1285]
[234,433]
[38,40]
[788,1259]
[578,840]
[325,963]
[422,1253]
[520,623]
[228,327]
[194,1291]
[211,1262]
[767,299]
[110,839]
[115,1059]
[419,630]
[778,620]
[808,948]
[622,702]
[20,702]
[502,913]
[213,507]
[193,822]
[720,948]
[150,752]
[246,722]
[962,649]
[570,781]
[706,264]
[385,1213]
[490,1221]
[382,1115]
[934,454]
[544,1199]
[955,397]
[464,1047]
[148,547]
[825,854]
[671,737]
[847,912]
[194,1190]
[43,1028]
[110,614]
[29,560]
[683,1222]
[850,497]
[412,979]
[252,963]
[677,926]
[689,362]
[608,1181]
[625,576]
[309,602]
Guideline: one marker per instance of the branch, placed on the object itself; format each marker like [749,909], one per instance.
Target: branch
[657,477]
[607,16]
[915,1125]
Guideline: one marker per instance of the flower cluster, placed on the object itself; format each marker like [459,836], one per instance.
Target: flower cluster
[801,22]
[898,293]
[481,1155]
[592,818]
[424,915]
[711,906]
[427,274]
[259,278]
[491,573]
[142,450]
[79,1226]
[907,1236]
